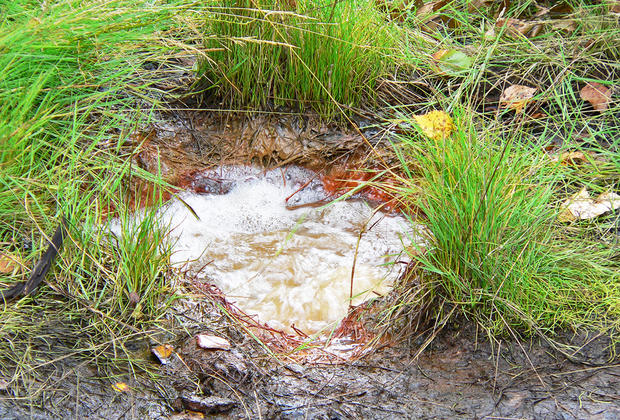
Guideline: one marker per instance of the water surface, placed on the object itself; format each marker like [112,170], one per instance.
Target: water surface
[288,267]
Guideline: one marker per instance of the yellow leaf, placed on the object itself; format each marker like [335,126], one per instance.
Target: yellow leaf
[163,352]
[120,387]
[435,124]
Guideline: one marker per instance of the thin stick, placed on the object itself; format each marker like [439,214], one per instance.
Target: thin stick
[42,267]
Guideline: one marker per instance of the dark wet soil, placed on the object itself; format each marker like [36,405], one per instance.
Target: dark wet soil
[462,374]
[186,142]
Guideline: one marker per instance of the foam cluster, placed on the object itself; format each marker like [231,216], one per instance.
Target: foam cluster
[288,267]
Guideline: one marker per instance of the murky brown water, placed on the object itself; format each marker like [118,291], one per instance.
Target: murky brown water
[287,263]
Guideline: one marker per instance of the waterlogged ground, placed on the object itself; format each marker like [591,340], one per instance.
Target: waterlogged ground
[462,374]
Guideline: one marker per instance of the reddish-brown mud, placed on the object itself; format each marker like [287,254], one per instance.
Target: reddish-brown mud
[181,150]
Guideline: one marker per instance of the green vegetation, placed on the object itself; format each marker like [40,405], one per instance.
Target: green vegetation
[491,192]
[323,55]
[75,86]
[69,94]
[496,248]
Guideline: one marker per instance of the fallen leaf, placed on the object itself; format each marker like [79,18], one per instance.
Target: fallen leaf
[561,8]
[212,342]
[435,124]
[614,6]
[517,27]
[430,8]
[452,62]
[582,206]
[474,5]
[516,97]
[429,15]
[574,158]
[437,56]
[499,7]
[10,264]
[597,94]
[120,387]
[566,25]
[163,353]
[541,11]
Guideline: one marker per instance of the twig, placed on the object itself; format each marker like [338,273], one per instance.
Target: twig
[42,267]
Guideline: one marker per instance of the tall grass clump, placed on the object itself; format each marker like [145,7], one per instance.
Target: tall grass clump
[496,250]
[304,54]
[65,79]
[71,91]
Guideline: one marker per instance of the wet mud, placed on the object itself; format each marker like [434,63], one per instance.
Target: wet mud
[178,146]
[461,375]
[182,147]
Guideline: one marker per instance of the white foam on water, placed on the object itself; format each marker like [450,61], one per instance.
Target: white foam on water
[288,267]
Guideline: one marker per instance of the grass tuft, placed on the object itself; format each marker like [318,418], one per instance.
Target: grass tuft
[313,55]
[71,91]
[497,251]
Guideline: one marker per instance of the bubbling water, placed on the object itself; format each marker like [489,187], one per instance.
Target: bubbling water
[288,267]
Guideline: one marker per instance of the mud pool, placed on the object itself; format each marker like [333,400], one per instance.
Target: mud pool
[244,212]
[278,250]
